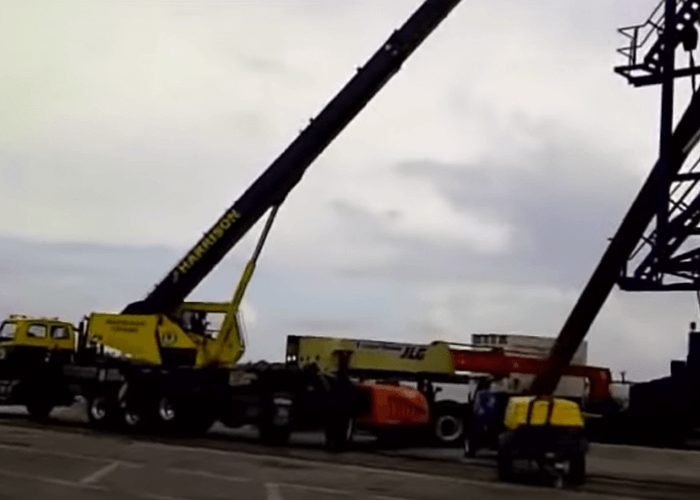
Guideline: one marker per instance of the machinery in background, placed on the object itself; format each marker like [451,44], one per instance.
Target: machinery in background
[660,412]
[423,367]
[536,346]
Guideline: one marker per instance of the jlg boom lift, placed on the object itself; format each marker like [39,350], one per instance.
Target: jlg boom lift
[158,361]
[428,365]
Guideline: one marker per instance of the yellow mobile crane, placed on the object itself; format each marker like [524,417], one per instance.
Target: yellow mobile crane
[158,362]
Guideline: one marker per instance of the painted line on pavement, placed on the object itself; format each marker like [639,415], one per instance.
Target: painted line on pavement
[210,475]
[49,480]
[100,473]
[273,491]
[64,454]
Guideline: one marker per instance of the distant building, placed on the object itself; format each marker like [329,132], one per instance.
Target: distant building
[538,347]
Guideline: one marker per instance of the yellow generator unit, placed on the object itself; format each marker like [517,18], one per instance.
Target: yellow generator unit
[547,432]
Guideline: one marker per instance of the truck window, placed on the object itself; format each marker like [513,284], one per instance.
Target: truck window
[36,331]
[59,332]
[7,331]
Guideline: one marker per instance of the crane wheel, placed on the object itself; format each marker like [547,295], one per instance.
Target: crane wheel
[167,411]
[135,418]
[132,418]
[101,411]
[183,416]
[339,433]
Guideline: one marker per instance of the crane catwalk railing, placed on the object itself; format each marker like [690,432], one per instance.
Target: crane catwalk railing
[644,47]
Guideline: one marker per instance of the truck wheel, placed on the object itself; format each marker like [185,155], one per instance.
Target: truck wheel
[577,469]
[448,423]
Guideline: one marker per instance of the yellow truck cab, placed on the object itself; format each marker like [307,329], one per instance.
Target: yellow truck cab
[33,352]
[24,338]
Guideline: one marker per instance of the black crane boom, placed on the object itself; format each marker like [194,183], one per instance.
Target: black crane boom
[275,183]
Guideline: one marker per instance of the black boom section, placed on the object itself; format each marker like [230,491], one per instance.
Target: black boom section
[640,214]
[286,171]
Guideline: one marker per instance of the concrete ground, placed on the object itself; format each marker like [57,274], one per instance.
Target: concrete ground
[48,464]
[66,460]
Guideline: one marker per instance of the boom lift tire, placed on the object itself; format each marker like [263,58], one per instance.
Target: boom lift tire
[448,423]
[338,433]
[342,397]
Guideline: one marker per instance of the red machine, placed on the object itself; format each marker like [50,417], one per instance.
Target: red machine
[498,363]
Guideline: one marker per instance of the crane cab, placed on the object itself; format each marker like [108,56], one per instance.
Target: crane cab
[199,334]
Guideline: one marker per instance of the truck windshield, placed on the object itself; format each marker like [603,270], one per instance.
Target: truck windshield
[7,330]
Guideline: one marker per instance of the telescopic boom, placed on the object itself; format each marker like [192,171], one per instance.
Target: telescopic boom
[285,172]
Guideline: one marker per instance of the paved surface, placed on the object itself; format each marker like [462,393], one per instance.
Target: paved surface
[39,463]
[629,462]
[66,460]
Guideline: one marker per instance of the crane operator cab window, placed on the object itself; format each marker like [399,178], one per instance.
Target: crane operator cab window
[197,322]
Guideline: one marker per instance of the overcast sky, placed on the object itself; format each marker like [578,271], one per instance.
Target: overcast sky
[475,193]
